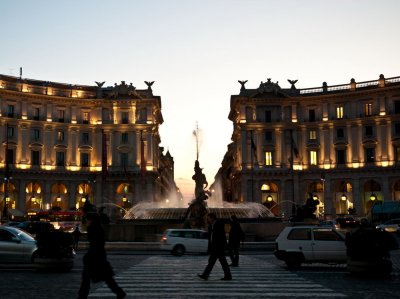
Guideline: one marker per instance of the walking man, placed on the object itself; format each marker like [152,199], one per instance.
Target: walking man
[216,247]
[235,236]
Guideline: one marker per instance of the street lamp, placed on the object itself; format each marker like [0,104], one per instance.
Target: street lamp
[269,198]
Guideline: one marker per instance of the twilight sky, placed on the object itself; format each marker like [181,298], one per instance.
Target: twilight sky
[195,51]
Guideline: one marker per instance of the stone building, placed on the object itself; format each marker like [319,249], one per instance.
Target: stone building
[63,144]
[339,144]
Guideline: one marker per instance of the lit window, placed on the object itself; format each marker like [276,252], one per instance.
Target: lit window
[313,157]
[85,117]
[60,136]
[339,112]
[268,158]
[368,109]
[313,135]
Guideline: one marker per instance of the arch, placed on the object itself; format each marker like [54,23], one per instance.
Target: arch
[316,190]
[270,197]
[8,193]
[125,195]
[34,197]
[59,197]
[84,192]
[343,200]
[372,195]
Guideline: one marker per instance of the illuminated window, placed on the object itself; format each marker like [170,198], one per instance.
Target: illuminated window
[313,157]
[313,135]
[60,136]
[85,117]
[368,109]
[339,112]
[268,158]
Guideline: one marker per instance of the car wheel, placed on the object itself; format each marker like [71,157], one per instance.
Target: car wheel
[293,260]
[178,250]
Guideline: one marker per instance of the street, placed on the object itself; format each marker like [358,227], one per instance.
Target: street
[160,275]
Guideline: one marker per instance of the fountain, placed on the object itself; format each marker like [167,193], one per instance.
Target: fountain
[154,217]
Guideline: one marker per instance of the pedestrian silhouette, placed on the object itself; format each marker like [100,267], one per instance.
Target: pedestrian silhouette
[216,247]
[76,234]
[235,236]
[95,265]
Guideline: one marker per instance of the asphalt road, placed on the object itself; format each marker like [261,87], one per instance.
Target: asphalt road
[26,283]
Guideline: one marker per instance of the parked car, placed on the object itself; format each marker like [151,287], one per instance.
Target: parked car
[390,226]
[310,244]
[16,246]
[346,222]
[36,227]
[181,241]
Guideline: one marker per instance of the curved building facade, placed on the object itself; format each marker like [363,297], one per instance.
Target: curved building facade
[63,144]
[339,144]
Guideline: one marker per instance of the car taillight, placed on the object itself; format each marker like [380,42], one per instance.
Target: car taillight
[164,239]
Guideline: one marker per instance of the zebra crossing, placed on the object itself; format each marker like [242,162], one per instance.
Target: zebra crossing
[176,277]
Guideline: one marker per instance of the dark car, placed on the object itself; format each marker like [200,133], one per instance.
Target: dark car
[36,227]
[346,222]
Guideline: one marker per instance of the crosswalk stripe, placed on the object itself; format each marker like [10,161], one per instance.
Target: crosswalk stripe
[172,277]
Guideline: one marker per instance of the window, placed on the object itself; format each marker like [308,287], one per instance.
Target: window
[60,115]
[60,136]
[85,159]
[36,113]
[341,157]
[313,157]
[311,115]
[339,112]
[124,138]
[36,134]
[370,155]
[313,135]
[268,118]
[124,159]
[35,158]
[369,132]
[326,235]
[397,154]
[397,107]
[85,117]
[10,156]
[85,138]
[268,136]
[125,117]
[10,132]
[60,158]
[340,133]
[300,234]
[396,129]
[10,111]
[368,109]
[268,158]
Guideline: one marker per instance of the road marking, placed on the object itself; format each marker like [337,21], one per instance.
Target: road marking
[176,277]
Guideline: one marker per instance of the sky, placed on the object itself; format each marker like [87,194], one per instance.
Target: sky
[196,51]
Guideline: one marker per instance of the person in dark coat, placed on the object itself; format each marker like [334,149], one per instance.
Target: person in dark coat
[95,265]
[216,248]
[76,234]
[235,236]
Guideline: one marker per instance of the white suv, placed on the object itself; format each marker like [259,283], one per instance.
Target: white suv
[310,244]
[180,241]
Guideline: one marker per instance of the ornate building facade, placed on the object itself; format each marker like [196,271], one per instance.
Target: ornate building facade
[339,144]
[63,144]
